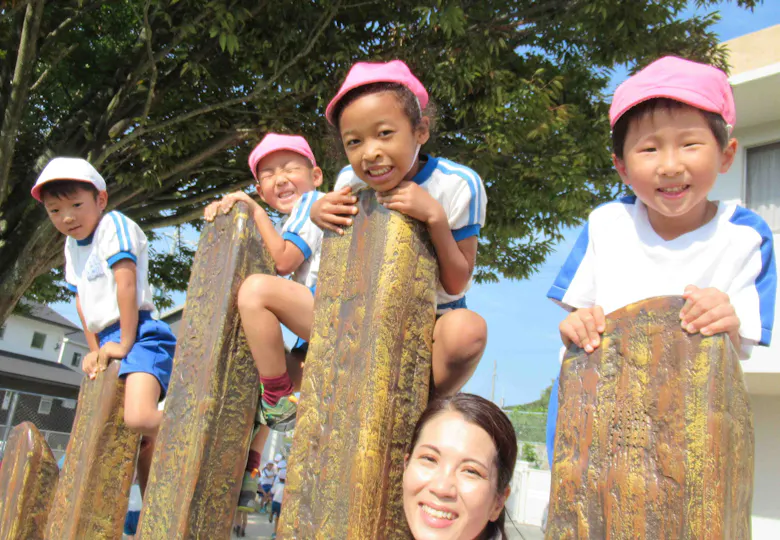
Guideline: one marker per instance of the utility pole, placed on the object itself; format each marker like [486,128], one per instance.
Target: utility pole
[493,384]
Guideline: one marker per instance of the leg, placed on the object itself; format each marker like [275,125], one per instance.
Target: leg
[246,499]
[142,393]
[264,302]
[459,339]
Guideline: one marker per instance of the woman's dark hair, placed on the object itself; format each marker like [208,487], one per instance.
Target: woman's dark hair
[66,188]
[406,99]
[485,414]
[715,121]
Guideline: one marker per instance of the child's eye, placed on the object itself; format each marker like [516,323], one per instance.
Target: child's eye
[691,144]
[351,142]
[385,133]
[77,205]
[53,210]
[648,149]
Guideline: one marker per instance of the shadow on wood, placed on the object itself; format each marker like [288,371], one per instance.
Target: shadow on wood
[366,379]
[655,434]
[202,444]
[28,479]
[92,494]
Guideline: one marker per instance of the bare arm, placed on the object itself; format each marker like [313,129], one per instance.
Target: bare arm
[127,299]
[456,259]
[92,339]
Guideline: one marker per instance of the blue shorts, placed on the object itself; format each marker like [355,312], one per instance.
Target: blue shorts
[131,522]
[302,345]
[152,351]
[276,508]
[460,303]
[266,488]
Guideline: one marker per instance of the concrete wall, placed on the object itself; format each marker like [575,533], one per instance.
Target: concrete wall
[755,50]
[766,486]
[18,336]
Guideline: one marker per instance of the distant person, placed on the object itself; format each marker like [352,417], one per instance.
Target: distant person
[133,510]
[267,480]
[277,494]
[107,267]
[457,473]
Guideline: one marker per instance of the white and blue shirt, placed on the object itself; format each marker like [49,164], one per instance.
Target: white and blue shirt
[619,259]
[458,189]
[88,271]
[299,229]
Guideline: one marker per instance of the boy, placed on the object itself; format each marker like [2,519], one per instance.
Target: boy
[106,265]
[287,177]
[277,492]
[671,124]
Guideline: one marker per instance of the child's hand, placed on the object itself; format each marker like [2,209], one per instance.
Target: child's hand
[412,200]
[89,364]
[108,352]
[225,204]
[333,210]
[708,311]
[584,328]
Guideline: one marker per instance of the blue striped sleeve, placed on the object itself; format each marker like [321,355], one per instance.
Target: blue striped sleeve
[475,187]
[570,267]
[299,242]
[122,255]
[766,280]
[71,287]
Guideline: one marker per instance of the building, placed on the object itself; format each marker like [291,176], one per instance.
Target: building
[40,373]
[754,182]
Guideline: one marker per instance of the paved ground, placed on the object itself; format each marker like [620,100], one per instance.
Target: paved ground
[258,528]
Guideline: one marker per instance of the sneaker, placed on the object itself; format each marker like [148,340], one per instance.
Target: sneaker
[246,500]
[282,416]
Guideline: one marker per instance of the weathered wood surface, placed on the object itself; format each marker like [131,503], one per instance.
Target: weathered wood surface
[202,443]
[655,434]
[366,379]
[94,486]
[28,479]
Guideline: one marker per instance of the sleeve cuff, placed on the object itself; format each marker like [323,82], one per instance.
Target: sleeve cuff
[71,287]
[113,259]
[466,232]
[299,243]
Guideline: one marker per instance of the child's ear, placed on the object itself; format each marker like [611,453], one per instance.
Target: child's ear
[316,177]
[260,193]
[102,200]
[620,167]
[729,153]
[423,131]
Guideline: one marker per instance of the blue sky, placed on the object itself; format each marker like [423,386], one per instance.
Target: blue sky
[523,335]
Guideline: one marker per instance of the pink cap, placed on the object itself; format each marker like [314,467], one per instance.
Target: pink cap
[364,73]
[66,168]
[698,85]
[273,142]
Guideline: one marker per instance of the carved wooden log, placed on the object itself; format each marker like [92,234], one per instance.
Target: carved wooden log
[366,379]
[202,444]
[28,479]
[92,494]
[655,434]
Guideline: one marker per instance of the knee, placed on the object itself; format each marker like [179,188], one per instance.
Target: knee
[141,420]
[465,337]
[253,290]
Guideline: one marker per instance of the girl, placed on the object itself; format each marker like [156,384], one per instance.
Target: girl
[379,115]
[458,469]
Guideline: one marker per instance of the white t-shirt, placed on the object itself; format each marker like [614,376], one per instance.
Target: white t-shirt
[619,259]
[88,265]
[299,229]
[277,492]
[267,476]
[457,188]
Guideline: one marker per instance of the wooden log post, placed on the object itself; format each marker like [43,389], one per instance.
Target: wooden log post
[202,443]
[655,434]
[28,479]
[94,486]
[366,379]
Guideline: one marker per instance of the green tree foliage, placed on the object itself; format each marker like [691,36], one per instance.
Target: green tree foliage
[528,454]
[166,98]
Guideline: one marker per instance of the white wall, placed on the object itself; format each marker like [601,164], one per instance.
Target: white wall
[766,482]
[18,336]
[530,494]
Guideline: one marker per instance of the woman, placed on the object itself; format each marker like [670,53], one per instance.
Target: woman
[457,473]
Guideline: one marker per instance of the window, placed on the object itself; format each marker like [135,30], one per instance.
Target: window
[38,340]
[44,407]
[76,360]
[763,189]
[68,403]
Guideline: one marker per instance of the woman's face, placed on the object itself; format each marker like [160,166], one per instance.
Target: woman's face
[450,481]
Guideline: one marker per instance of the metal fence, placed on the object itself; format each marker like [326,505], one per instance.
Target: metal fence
[53,416]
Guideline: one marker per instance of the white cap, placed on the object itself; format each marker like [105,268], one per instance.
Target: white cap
[283,474]
[65,168]
[278,457]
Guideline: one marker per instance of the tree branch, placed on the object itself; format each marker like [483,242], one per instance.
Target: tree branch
[145,211]
[20,85]
[64,54]
[150,53]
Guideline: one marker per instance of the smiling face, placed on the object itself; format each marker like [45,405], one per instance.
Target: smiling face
[283,177]
[381,144]
[76,213]
[671,160]
[450,481]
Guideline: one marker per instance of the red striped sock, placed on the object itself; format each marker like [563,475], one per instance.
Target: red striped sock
[276,388]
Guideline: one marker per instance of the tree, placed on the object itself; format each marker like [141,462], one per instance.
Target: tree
[166,98]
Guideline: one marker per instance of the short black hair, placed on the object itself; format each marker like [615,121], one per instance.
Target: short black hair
[715,121]
[407,100]
[65,188]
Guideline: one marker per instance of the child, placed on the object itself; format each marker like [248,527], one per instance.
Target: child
[277,493]
[671,124]
[378,112]
[106,265]
[287,177]
[267,480]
